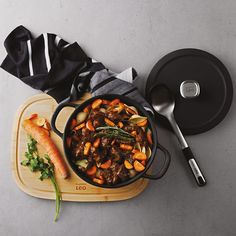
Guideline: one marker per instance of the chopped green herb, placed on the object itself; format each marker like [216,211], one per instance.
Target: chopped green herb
[36,163]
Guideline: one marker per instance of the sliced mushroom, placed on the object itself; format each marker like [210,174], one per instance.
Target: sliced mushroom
[137,146]
[132,173]
[148,152]
[130,110]
[40,121]
[83,163]
[143,149]
[134,119]
[143,128]
[81,117]
[103,110]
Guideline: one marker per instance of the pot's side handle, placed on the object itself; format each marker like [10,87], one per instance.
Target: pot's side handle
[55,114]
[165,164]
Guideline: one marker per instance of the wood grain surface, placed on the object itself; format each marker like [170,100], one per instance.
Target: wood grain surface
[73,188]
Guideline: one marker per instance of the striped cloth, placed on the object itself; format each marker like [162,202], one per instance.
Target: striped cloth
[63,70]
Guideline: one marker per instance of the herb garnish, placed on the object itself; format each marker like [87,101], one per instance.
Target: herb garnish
[36,163]
[114,132]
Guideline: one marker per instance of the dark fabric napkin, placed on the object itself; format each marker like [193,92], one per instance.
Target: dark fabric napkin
[63,70]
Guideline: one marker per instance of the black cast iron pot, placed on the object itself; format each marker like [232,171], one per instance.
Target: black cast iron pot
[163,160]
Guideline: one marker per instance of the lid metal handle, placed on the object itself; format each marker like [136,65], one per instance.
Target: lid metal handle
[189,89]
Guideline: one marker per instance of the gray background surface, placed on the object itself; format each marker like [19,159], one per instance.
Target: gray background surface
[122,34]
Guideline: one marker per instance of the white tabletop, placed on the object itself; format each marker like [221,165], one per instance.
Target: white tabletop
[122,34]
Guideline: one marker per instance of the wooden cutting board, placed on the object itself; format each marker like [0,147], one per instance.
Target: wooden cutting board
[73,188]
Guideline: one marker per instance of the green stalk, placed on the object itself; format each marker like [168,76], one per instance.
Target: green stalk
[115,128]
[36,163]
[58,197]
[114,135]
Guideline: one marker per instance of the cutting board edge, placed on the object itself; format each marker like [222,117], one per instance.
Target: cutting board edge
[101,197]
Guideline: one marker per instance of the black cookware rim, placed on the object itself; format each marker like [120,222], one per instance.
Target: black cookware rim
[129,101]
[195,52]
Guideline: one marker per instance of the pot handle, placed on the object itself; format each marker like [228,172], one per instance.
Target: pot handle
[55,114]
[164,167]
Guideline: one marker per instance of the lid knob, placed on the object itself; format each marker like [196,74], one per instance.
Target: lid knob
[189,89]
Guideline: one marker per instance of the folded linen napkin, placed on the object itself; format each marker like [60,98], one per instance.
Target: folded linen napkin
[63,70]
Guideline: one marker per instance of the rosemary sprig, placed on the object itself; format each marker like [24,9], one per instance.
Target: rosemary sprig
[121,131]
[114,132]
[113,135]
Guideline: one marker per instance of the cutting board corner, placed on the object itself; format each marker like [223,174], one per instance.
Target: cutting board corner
[73,189]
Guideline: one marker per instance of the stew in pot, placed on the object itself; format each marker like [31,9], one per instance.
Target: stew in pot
[110,141]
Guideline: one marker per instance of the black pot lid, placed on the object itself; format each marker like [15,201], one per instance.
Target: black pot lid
[204,77]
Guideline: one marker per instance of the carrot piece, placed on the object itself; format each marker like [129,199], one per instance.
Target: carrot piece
[98,181]
[138,166]
[97,143]
[142,123]
[109,122]
[80,126]
[46,131]
[141,156]
[89,125]
[46,142]
[149,137]
[87,147]
[114,102]
[126,147]
[128,165]
[120,107]
[105,102]
[134,133]
[92,170]
[33,116]
[87,109]
[68,141]
[113,142]
[143,163]
[47,125]
[96,103]
[106,164]
[120,124]
[100,177]
[135,150]
[73,123]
